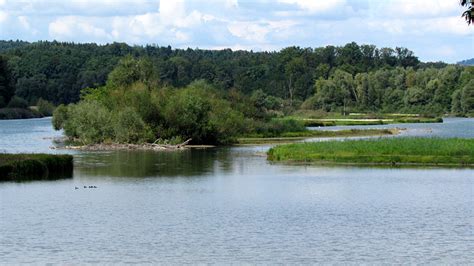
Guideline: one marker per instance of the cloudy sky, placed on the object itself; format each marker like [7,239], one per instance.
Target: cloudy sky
[433,29]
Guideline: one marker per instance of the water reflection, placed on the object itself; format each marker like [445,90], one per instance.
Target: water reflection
[193,162]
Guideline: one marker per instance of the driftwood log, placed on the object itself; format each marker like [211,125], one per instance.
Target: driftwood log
[116,146]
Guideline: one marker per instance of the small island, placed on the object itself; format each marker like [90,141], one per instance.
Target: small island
[386,151]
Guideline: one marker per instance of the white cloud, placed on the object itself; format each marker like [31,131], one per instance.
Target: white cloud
[231,3]
[67,28]
[448,25]
[257,31]
[3,16]
[316,6]
[249,31]
[419,8]
[24,22]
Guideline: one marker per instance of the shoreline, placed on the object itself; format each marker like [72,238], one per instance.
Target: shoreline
[310,134]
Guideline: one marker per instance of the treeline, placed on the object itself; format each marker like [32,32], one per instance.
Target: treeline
[427,91]
[336,78]
[14,107]
[58,71]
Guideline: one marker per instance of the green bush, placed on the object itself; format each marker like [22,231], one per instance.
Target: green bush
[276,127]
[130,128]
[60,116]
[45,108]
[90,122]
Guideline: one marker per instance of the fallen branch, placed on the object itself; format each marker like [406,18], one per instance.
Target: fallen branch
[117,146]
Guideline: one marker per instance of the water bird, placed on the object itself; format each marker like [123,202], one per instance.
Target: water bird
[76,188]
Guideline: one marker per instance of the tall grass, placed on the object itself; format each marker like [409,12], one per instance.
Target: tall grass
[301,135]
[17,167]
[424,151]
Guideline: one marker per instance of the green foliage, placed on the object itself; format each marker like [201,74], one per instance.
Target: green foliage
[45,108]
[57,72]
[467,98]
[136,113]
[362,77]
[424,151]
[19,167]
[130,128]
[18,113]
[60,116]
[130,70]
[276,127]
[426,91]
[89,122]
[7,89]
[301,135]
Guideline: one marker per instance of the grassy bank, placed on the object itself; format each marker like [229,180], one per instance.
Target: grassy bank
[309,122]
[322,119]
[17,167]
[294,136]
[391,151]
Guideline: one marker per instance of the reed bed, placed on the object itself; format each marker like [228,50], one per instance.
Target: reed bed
[18,167]
[392,151]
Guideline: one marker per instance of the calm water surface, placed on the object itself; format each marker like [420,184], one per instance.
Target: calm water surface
[229,205]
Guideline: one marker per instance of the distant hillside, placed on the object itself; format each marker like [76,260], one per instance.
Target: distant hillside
[467,62]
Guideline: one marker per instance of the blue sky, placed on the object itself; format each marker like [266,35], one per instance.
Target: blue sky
[433,29]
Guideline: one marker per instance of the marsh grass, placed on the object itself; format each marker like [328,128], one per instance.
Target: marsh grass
[391,151]
[365,121]
[18,167]
[295,136]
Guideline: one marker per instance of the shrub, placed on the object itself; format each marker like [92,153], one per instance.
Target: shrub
[90,121]
[276,127]
[130,128]
[187,114]
[60,116]
[45,108]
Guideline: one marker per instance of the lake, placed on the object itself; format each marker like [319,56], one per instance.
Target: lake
[230,205]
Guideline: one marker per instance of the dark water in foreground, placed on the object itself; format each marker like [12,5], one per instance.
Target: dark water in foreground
[229,205]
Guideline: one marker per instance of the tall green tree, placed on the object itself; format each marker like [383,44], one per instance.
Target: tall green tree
[7,89]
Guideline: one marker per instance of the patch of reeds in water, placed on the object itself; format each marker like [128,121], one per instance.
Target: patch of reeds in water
[19,167]
[391,151]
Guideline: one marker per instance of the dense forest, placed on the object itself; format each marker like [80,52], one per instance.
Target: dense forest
[353,77]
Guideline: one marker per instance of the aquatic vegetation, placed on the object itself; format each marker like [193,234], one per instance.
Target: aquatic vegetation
[300,135]
[392,151]
[17,167]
